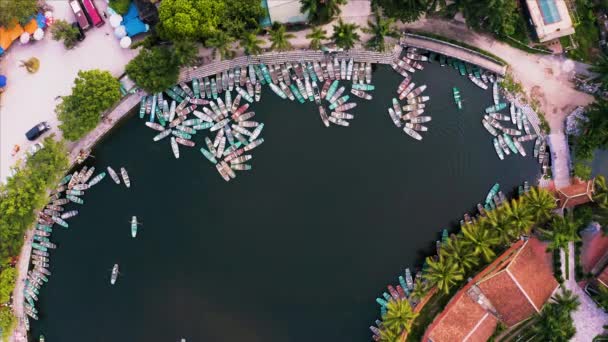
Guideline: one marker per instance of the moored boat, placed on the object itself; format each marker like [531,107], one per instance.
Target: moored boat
[174,148]
[495,93]
[114,275]
[323,116]
[125,177]
[113,175]
[496,108]
[412,133]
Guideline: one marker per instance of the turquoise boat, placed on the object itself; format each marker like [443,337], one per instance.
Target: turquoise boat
[404,285]
[179,91]
[44,228]
[258,73]
[208,155]
[311,72]
[363,86]
[444,236]
[39,247]
[196,87]
[339,102]
[493,191]
[296,92]
[457,99]
[381,301]
[332,90]
[173,95]
[75,199]
[181,134]
[41,238]
[432,57]
[213,89]
[461,68]
[134,226]
[496,108]
[65,180]
[265,73]
[442,61]
[142,107]
[510,143]
[153,111]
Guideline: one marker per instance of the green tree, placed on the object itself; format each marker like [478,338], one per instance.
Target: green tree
[280,38]
[316,36]
[120,6]
[541,203]
[561,231]
[496,16]
[566,300]
[553,325]
[94,92]
[381,29]
[321,11]
[7,320]
[461,253]
[421,288]
[601,67]
[154,69]
[601,191]
[185,53]
[13,12]
[497,223]
[481,240]
[7,283]
[221,43]
[602,297]
[595,131]
[399,316]
[582,170]
[61,30]
[345,35]
[443,273]
[404,10]
[519,216]
[251,43]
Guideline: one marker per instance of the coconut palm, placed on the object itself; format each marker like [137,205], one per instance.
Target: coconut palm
[380,30]
[251,43]
[600,215]
[421,288]
[481,239]
[345,35]
[519,216]
[461,253]
[399,316]
[497,223]
[387,335]
[602,296]
[602,69]
[443,273]
[321,11]
[221,42]
[317,36]
[31,65]
[554,324]
[540,202]
[561,231]
[567,301]
[601,191]
[280,38]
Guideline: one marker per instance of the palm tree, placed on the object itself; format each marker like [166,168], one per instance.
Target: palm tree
[601,191]
[443,273]
[279,38]
[519,216]
[461,253]
[251,43]
[602,297]
[567,301]
[497,223]
[421,288]
[399,316]
[600,215]
[321,11]
[221,42]
[602,69]
[562,230]
[540,202]
[481,240]
[317,36]
[553,324]
[381,29]
[345,35]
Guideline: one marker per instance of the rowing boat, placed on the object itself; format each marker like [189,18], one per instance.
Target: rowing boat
[457,100]
[125,177]
[496,108]
[495,93]
[174,148]
[412,133]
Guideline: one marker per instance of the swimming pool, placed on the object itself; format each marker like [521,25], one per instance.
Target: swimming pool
[549,11]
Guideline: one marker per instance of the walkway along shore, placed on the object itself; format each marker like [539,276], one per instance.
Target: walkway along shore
[129,102]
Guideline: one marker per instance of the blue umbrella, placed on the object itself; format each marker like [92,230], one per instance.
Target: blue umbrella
[2,81]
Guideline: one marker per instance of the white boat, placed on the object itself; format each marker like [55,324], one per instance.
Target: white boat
[114,275]
[495,93]
[412,133]
[323,115]
[416,127]
[337,121]
[489,128]
[478,82]
[174,148]
[418,106]
[361,94]
[498,149]
[396,119]
[368,73]
[343,116]
[125,177]
[343,69]
[113,175]
[520,148]
[513,111]
[420,119]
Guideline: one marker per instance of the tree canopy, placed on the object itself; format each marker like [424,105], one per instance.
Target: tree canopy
[496,16]
[601,67]
[7,283]
[61,30]
[154,69]
[120,6]
[321,11]
[94,92]
[202,19]
[279,38]
[345,35]
[404,10]
[595,131]
[317,36]
[13,11]
[380,29]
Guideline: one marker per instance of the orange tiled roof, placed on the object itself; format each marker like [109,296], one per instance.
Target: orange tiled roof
[603,277]
[575,194]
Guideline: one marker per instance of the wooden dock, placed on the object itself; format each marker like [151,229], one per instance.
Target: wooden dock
[455,51]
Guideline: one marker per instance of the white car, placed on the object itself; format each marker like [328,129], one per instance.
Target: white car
[34,148]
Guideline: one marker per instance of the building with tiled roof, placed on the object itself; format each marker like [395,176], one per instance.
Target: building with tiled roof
[511,289]
[578,193]
[603,277]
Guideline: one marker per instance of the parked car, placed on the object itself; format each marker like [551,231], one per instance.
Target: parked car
[35,148]
[92,12]
[81,35]
[37,131]
[81,18]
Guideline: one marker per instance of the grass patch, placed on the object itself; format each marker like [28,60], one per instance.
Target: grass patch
[461,44]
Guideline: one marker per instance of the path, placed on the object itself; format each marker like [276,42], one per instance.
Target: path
[589,319]
[31,98]
[20,333]
[560,158]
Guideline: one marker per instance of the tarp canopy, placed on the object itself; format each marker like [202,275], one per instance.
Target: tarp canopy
[41,20]
[2,81]
[31,26]
[132,23]
[7,36]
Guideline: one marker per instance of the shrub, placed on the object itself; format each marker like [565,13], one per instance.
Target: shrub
[120,6]
[61,30]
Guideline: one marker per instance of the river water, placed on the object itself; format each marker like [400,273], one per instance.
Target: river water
[296,249]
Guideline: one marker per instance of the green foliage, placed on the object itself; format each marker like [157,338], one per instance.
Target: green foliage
[14,11]
[120,6]
[251,43]
[404,10]
[203,19]
[541,203]
[7,320]
[443,273]
[601,191]
[601,67]
[31,65]
[499,16]
[560,232]
[586,33]
[153,70]
[94,92]
[461,253]
[398,318]
[321,11]
[345,35]
[595,131]
[7,283]
[582,169]
[185,52]
[317,36]
[25,192]
[279,38]
[61,30]
[381,29]
[482,240]
[222,42]
[555,322]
